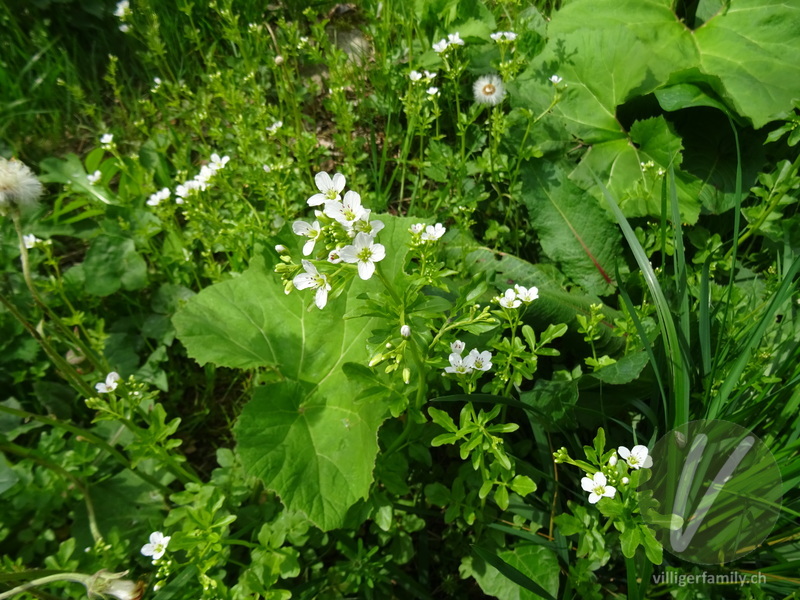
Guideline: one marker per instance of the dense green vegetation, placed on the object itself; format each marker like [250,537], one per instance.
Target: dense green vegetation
[399,299]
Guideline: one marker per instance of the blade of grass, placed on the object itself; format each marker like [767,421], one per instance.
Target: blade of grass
[679,404]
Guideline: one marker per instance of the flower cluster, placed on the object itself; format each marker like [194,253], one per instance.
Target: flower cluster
[453,39]
[416,76]
[464,365]
[344,229]
[421,233]
[504,36]
[201,180]
[158,197]
[514,297]
[489,89]
[122,12]
[19,187]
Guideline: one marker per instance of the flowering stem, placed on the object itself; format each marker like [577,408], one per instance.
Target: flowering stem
[26,274]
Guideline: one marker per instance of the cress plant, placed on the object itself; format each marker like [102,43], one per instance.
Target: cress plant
[329,301]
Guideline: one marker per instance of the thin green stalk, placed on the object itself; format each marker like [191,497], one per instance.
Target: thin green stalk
[89,437]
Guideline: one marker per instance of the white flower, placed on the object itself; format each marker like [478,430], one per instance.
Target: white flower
[315,280]
[440,46]
[430,76]
[275,126]
[278,60]
[458,365]
[433,91]
[416,228]
[124,28]
[508,36]
[18,185]
[637,457]
[122,9]
[415,76]
[489,89]
[555,79]
[365,253]
[480,361]
[156,198]
[218,163]
[157,81]
[598,488]
[157,546]
[103,584]
[94,177]
[454,39]
[334,258]
[457,347]
[107,139]
[330,189]
[110,384]
[364,225]
[405,331]
[508,299]
[433,232]
[527,294]
[348,211]
[312,232]
[30,240]
[625,480]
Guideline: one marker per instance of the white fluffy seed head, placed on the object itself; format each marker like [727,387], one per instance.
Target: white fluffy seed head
[489,89]
[19,187]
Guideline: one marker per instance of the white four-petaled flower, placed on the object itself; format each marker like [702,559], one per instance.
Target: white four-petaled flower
[458,365]
[458,347]
[109,385]
[440,46]
[157,546]
[433,232]
[555,79]
[94,177]
[365,252]
[454,39]
[480,361]
[348,211]
[315,280]
[527,294]
[637,457]
[312,232]
[107,139]
[30,240]
[598,487]
[329,188]
[509,299]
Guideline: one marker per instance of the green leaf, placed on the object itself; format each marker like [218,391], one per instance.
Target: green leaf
[523,485]
[113,263]
[753,48]
[528,572]
[625,370]
[307,438]
[574,230]
[316,450]
[630,540]
[8,478]
[70,171]
[652,548]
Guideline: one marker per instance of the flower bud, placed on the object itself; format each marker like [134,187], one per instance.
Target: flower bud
[375,360]
[278,60]
[406,375]
[280,249]
[613,460]
[625,480]
[405,331]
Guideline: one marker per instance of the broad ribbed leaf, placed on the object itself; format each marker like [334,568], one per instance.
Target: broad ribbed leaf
[573,229]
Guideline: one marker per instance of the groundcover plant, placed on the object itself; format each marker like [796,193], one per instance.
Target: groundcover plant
[431,299]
